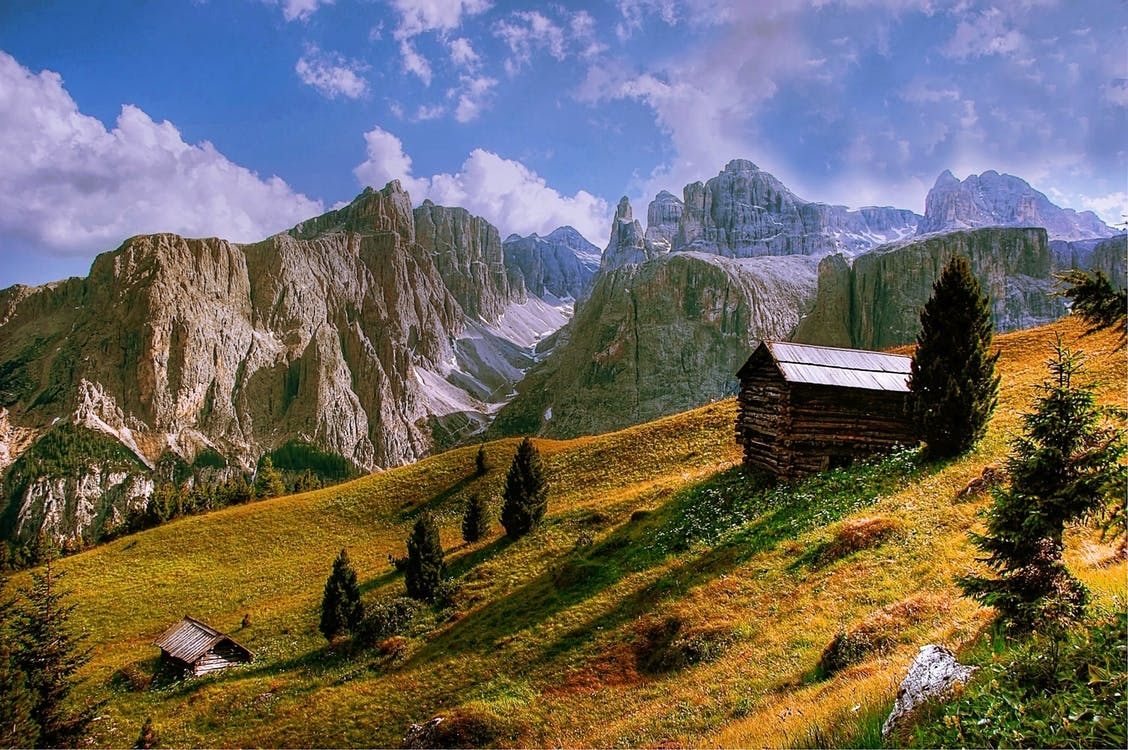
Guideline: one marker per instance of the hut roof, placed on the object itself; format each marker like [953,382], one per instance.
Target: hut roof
[190,639]
[845,368]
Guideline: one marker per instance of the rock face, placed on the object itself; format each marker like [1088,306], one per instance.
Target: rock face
[364,332]
[560,264]
[993,199]
[932,674]
[657,338]
[745,212]
[662,218]
[875,303]
[628,244]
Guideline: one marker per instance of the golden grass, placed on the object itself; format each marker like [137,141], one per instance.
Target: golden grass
[547,630]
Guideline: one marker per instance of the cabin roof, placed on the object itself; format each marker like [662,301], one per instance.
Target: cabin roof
[190,639]
[844,368]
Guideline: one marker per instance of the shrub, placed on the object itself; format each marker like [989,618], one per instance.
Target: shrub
[953,382]
[1068,692]
[480,464]
[666,645]
[853,536]
[387,617]
[876,633]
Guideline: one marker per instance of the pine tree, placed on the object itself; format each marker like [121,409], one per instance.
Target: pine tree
[476,519]
[341,608]
[1064,465]
[17,722]
[1097,302]
[49,656]
[526,492]
[480,465]
[269,482]
[953,382]
[424,570]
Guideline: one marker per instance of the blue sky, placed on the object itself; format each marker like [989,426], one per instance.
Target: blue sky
[239,118]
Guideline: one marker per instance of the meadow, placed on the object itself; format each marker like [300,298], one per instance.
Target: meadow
[668,599]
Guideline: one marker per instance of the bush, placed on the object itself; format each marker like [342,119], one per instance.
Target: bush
[666,645]
[853,536]
[1049,693]
[387,617]
[341,608]
[876,633]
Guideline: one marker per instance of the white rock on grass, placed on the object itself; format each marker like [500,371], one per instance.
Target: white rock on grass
[933,673]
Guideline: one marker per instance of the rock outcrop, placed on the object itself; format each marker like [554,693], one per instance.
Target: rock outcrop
[993,199]
[932,674]
[662,218]
[373,332]
[628,244]
[560,264]
[875,302]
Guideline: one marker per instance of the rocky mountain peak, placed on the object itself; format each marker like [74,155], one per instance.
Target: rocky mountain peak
[994,199]
[372,212]
[741,165]
[628,244]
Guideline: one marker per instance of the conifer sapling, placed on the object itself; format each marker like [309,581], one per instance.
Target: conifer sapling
[526,492]
[341,608]
[424,570]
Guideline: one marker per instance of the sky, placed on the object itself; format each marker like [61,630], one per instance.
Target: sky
[240,118]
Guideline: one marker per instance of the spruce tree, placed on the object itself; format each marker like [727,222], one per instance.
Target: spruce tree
[341,608]
[480,465]
[269,482]
[17,722]
[953,382]
[476,519]
[526,492]
[424,570]
[1097,302]
[49,656]
[1064,465]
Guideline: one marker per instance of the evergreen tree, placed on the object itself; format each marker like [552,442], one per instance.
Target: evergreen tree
[424,570]
[1064,465]
[526,492]
[953,382]
[49,656]
[341,608]
[480,465]
[17,724]
[476,519]
[1097,302]
[269,482]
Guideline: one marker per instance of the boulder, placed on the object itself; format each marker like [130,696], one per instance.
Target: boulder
[932,674]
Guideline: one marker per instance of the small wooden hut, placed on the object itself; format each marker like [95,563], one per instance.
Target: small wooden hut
[804,409]
[200,647]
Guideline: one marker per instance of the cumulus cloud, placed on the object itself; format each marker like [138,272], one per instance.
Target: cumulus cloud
[505,192]
[332,75]
[462,53]
[473,97]
[69,186]
[525,32]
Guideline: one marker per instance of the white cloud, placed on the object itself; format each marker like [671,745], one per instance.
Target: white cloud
[69,186]
[1112,208]
[429,112]
[503,191]
[332,75]
[526,32]
[634,12]
[462,53]
[413,62]
[421,16]
[474,97]
[988,33]
[299,10]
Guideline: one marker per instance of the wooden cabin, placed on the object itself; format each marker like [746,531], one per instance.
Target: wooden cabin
[200,647]
[804,409]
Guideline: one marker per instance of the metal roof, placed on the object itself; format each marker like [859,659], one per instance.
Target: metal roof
[846,368]
[190,639]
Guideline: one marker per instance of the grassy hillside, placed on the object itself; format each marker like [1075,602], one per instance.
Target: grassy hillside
[668,599]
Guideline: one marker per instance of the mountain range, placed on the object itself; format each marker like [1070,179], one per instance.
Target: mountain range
[382,333]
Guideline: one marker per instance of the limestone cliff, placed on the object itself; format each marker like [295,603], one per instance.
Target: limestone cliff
[875,303]
[362,332]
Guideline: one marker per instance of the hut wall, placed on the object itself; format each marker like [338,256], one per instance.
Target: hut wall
[221,656]
[762,422]
[846,423]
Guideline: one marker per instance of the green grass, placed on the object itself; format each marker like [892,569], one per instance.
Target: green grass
[668,597]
